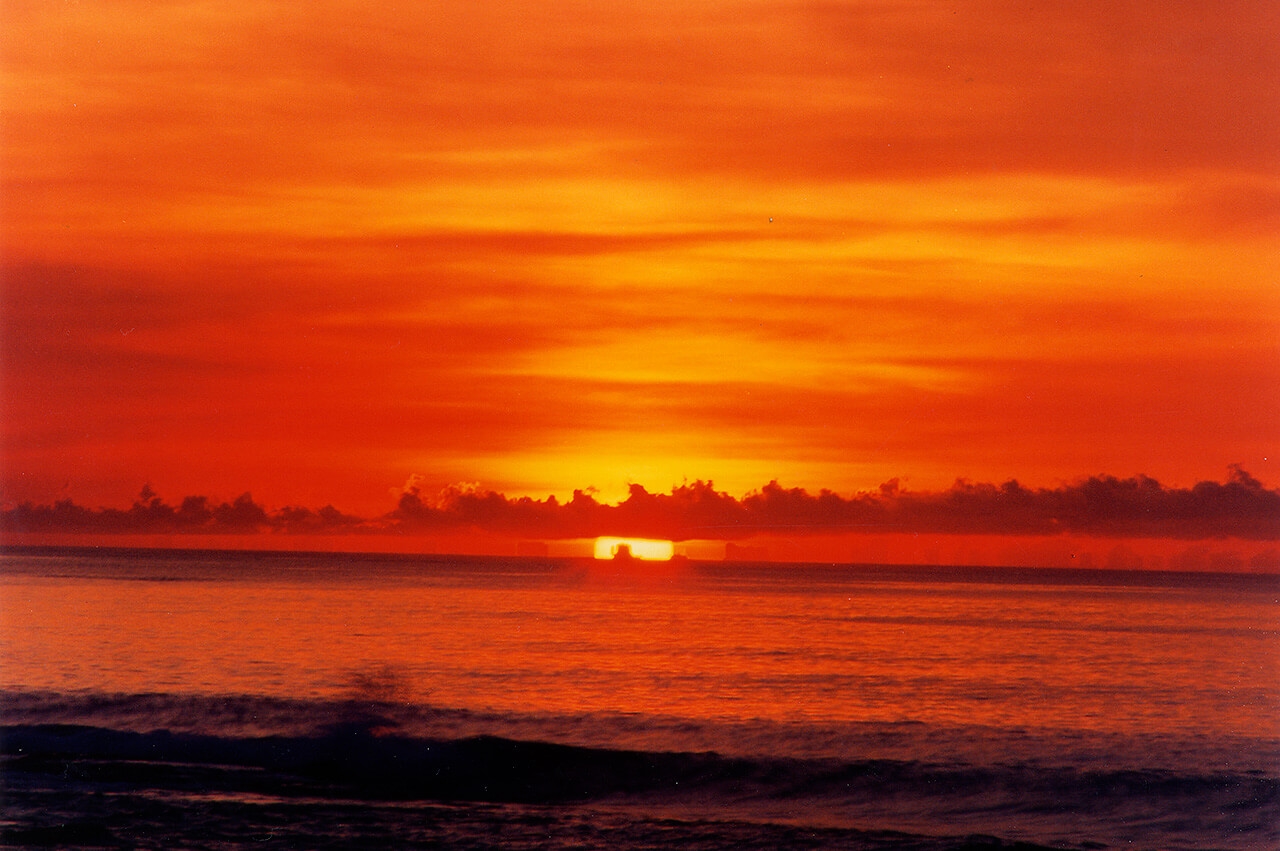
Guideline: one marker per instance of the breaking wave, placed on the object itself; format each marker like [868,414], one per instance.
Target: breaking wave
[357,756]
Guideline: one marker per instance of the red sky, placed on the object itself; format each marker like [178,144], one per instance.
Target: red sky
[315,251]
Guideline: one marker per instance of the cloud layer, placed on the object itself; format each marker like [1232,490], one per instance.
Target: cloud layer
[1102,506]
[311,246]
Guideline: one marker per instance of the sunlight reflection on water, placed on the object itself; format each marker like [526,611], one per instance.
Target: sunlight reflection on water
[785,645]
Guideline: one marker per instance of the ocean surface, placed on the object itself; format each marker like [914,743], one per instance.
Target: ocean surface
[184,699]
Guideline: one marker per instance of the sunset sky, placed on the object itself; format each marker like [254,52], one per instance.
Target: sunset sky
[323,251]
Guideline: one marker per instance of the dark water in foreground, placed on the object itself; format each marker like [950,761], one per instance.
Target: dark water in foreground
[215,700]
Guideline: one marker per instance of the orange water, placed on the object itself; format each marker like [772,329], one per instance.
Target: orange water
[784,644]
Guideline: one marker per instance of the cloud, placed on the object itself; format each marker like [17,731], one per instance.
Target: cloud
[281,242]
[151,515]
[305,521]
[307,97]
[1101,506]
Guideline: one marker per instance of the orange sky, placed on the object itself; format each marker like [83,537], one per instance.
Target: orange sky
[311,250]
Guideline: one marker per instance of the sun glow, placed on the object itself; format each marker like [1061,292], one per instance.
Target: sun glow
[637,548]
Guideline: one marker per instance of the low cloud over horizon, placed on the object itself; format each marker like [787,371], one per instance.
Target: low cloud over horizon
[1100,506]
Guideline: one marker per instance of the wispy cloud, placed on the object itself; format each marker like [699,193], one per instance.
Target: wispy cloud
[314,246]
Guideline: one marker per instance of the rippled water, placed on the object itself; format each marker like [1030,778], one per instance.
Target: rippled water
[1059,707]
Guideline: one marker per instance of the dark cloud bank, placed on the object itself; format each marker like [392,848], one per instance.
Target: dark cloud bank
[1141,507]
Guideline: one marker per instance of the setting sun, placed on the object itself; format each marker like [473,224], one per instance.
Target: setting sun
[637,548]
[928,351]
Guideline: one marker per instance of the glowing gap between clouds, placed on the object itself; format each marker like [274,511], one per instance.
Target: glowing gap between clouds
[640,548]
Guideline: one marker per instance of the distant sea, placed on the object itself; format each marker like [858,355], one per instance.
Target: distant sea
[213,700]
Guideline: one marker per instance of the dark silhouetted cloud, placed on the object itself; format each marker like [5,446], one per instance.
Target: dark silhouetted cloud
[1105,506]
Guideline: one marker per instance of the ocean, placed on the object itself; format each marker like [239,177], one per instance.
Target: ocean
[213,700]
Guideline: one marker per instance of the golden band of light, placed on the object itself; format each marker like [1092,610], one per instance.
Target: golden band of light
[639,548]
